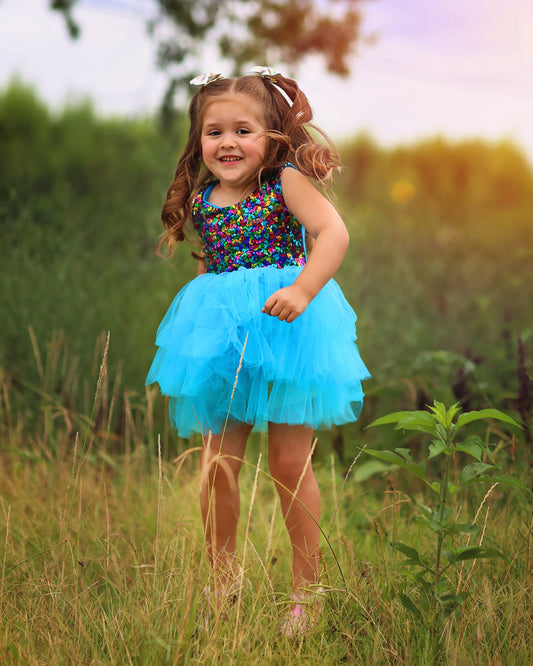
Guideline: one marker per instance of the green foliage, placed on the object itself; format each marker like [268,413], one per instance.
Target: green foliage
[79,201]
[441,291]
[440,263]
[434,592]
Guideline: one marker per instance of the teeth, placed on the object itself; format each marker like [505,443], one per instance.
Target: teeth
[230,159]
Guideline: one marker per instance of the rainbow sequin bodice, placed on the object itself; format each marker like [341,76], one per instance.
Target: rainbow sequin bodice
[257,231]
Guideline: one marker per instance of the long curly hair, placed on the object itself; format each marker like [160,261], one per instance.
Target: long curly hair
[289,139]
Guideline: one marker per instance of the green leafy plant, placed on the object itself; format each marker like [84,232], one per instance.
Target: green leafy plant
[435,591]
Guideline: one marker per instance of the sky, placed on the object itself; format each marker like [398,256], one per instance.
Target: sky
[458,68]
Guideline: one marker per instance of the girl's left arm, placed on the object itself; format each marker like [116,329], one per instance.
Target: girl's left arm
[323,222]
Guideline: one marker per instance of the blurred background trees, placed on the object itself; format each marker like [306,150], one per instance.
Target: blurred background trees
[245,32]
[439,269]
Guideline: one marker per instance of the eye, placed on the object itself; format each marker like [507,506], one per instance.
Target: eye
[213,132]
[243,130]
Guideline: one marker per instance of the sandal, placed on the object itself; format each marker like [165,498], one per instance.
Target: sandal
[304,614]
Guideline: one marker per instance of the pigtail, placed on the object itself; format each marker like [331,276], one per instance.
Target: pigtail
[178,202]
[177,206]
[317,160]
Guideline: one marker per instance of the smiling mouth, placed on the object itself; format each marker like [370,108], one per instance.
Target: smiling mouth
[230,158]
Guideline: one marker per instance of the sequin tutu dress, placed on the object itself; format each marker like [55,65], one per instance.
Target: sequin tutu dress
[222,361]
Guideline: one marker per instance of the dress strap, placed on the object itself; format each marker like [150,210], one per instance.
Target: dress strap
[287,164]
[207,191]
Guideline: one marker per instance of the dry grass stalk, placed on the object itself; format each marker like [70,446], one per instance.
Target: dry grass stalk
[6,541]
[159,503]
[103,369]
[246,536]
[346,477]
[485,498]
[36,353]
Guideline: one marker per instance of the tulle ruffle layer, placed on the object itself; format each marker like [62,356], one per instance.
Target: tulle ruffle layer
[221,360]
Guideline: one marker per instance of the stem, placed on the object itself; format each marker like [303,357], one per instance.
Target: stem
[443,500]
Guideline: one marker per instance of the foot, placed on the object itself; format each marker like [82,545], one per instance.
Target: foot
[303,614]
[225,594]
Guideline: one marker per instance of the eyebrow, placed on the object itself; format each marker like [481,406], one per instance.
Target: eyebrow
[235,123]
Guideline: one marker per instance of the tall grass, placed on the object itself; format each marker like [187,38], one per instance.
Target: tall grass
[104,562]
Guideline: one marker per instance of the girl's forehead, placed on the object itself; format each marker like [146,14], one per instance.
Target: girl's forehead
[233,104]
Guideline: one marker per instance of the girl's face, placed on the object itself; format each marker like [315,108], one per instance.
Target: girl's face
[233,141]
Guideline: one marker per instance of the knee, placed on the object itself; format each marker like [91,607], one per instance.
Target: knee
[287,467]
[220,470]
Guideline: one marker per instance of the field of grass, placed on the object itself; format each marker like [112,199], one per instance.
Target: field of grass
[102,559]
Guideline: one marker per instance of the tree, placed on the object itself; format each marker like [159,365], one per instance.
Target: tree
[65,7]
[247,32]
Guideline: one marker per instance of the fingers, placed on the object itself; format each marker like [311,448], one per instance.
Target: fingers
[285,305]
[283,314]
[276,308]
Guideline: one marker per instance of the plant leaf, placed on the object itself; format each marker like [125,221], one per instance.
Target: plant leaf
[444,416]
[393,458]
[411,553]
[368,469]
[501,480]
[463,528]
[451,601]
[452,488]
[475,470]
[422,421]
[482,414]
[404,453]
[410,605]
[416,420]
[426,511]
[472,553]
[436,448]
[393,417]
[472,447]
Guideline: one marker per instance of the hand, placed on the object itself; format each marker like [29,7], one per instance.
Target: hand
[286,304]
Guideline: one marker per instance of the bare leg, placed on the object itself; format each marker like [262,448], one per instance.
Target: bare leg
[289,453]
[221,463]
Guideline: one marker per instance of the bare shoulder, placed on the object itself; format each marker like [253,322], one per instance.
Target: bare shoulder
[306,202]
[295,185]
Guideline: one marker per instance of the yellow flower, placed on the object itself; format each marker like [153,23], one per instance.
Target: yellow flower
[402,191]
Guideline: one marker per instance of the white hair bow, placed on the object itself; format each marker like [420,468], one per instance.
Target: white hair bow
[271,74]
[263,71]
[204,79]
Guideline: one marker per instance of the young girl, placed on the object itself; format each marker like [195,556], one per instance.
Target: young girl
[262,338]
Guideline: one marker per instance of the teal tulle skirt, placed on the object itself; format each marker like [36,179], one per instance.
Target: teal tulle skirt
[224,363]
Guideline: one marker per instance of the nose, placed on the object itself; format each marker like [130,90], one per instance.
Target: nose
[228,140]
